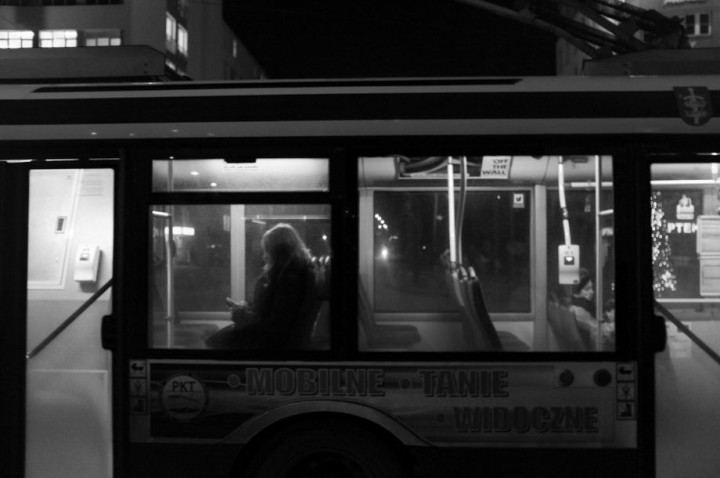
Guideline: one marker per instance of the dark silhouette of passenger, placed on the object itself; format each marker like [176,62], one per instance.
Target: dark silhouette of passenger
[583,304]
[277,317]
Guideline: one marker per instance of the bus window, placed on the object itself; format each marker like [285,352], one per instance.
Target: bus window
[239,276]
[466,257]
[244,174]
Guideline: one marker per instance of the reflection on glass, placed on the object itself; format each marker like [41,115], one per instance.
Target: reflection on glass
[411,236]
[204,254]
[685,232]
[685,225]
[261,174]
[505,289]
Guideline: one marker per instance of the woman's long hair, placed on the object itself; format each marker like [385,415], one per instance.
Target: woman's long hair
[282,243]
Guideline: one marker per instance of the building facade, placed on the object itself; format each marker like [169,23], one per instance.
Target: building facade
[701,19]
[195,40]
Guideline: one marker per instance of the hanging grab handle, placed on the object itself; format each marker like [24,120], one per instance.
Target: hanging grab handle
[563,204]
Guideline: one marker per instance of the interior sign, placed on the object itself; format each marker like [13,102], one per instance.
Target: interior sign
[495,167]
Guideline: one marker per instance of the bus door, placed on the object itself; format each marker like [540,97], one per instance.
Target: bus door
[685,228]
[70,218]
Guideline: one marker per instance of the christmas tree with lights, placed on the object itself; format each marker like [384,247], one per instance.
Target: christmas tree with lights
[664,279]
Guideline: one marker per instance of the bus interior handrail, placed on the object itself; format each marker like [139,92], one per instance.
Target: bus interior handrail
[66,323]
[686,330]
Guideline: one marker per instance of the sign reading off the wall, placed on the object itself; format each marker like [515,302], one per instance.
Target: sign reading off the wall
[495,167]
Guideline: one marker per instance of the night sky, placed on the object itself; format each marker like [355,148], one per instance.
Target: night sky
[386,38]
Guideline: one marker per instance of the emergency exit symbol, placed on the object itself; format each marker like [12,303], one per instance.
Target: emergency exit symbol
[626,411]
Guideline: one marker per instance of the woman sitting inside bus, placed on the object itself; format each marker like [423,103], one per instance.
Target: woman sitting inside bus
[280,313]
[583,305]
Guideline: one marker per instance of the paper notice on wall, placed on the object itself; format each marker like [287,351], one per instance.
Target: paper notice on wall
[495,167]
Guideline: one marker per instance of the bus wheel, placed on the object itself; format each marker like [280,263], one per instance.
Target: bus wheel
[325,451]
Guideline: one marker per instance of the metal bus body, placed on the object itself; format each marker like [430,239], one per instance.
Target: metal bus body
[449,224]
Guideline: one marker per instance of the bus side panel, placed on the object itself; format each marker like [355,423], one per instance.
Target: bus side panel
[572,405]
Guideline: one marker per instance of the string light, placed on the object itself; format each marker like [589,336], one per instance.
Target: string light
[664,279]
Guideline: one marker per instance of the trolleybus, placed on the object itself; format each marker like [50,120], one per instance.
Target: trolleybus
[497,269]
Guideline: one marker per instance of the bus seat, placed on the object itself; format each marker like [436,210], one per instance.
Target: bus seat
[482,316]
[474,306]
[317,293]
[502,340]
[382,336]
[587,333]
[564,327]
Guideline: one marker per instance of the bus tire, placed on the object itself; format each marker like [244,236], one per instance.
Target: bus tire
[337,449]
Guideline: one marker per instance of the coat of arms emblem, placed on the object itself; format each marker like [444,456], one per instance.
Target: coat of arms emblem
[694,104]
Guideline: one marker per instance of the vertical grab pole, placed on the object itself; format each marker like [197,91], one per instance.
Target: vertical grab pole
[461,207]
[169,278]
[169,271]
[598,252]
[170,265]
[451,213]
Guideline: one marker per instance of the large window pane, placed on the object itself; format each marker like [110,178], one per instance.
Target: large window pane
[471,254]
[204,255]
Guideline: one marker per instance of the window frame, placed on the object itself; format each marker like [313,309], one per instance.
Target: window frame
[182,40]
[695,29]
[170,32]
[25,37]
[538,260]
[330,197]
[58,38]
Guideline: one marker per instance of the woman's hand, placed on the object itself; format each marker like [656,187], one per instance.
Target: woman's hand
[234,306]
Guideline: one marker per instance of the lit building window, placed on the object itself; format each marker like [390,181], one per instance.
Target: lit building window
[58,38]
[698,24]
[111,37]
[170,32]
[16,39]
[182,40]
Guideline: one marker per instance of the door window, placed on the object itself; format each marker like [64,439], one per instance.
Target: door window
[685,231]
[70,251]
